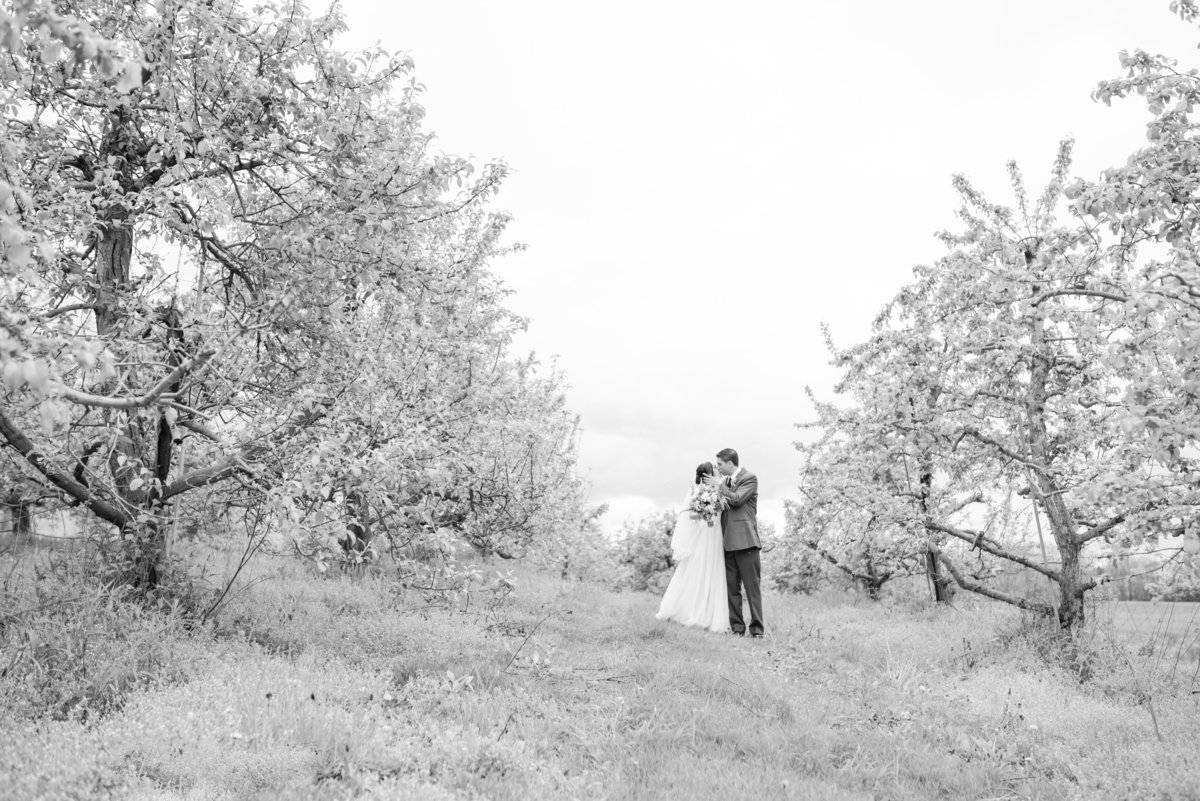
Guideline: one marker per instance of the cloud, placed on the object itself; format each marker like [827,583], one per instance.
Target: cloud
[691,226]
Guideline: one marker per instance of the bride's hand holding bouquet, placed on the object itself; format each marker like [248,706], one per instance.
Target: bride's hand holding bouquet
[707,503]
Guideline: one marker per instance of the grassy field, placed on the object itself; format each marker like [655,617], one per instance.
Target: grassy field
[348,687]
[1147,620]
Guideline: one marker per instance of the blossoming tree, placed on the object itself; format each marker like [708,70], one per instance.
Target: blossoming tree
[237,263]
[1005,369]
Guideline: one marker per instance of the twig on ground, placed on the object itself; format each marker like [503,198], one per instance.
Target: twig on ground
[741,702]
[512,658]
[507,721]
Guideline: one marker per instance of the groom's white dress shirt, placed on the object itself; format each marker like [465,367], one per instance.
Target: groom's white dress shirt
[733,475]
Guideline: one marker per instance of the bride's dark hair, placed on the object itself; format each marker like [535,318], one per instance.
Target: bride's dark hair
[704,469]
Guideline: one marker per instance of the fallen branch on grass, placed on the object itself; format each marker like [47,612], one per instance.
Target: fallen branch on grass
[512,658]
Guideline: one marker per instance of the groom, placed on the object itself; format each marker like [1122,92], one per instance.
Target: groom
[739,524]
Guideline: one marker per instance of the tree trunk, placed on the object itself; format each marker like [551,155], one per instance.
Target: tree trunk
[21,510]
[943,585]
[870,579]
[1047,491]
[141,459]
[114,242]
[359,527]
[1070,587]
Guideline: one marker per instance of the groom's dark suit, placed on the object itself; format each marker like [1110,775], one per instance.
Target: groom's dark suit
[739,528]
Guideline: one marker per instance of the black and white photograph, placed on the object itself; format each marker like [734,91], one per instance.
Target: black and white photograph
[525,401]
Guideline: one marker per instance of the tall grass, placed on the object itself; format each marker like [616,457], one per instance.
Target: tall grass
[336,687]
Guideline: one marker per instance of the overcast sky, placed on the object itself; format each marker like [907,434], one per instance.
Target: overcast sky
[702,185]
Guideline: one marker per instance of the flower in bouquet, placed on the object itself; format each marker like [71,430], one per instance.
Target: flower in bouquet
[707,503]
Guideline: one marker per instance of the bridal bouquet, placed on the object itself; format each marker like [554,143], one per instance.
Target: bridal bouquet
[707,503]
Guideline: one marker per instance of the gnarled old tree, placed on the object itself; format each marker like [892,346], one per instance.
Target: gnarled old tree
[1017,348]
[236,261]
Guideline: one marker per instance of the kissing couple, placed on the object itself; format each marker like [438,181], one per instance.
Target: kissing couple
[716,549]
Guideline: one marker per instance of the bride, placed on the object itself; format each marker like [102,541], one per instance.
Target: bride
[696,595]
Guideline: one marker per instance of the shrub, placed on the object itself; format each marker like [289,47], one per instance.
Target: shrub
[1086,653]
[75,648]
[644,550]
[789,565]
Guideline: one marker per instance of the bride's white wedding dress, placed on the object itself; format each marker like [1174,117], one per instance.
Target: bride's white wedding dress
[696,595]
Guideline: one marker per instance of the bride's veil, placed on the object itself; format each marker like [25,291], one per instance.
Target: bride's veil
[686,533]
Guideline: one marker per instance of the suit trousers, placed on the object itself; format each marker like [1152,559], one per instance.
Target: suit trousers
[744,569]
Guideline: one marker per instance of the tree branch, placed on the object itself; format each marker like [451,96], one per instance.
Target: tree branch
[878,580]
[1100,529]
[203,477]
[22,445]
[976,497]
[979,540]
[152,176]
[988,592]
[65,309]
[156,393]
[202,430]
[238,463]
[1092,293]
[1011,454]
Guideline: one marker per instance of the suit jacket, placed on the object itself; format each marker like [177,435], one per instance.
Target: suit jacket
[739,522]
